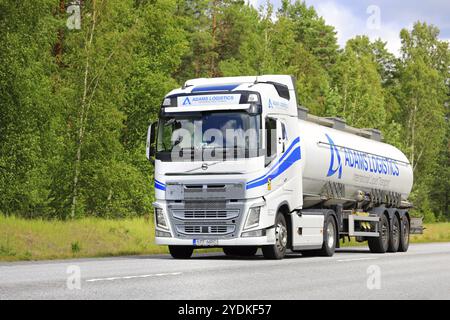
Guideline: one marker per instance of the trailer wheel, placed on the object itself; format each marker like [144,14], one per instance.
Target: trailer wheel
[404,234]
[278,250]
[240,251]
[394,238]
[181,252]
[381,243]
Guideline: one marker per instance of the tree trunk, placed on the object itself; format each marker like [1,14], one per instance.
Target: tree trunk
[82,121]
[58,47]
[413,136]
[212,66]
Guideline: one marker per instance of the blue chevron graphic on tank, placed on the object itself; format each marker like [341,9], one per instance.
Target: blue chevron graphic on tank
[335,161]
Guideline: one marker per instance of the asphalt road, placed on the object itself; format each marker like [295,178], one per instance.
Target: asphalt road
[422,273]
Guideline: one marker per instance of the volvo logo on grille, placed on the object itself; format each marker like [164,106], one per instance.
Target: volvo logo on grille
[204,166]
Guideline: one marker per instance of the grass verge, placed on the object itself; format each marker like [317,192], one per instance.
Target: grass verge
[40,239]
[22,239]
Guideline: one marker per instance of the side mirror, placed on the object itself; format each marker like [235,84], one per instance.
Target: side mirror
[151,138]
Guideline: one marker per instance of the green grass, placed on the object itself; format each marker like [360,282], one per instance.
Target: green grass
[39,239]
[22,239]
[436,232]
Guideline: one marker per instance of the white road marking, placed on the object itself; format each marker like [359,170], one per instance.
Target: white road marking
[356,259]
[135,277]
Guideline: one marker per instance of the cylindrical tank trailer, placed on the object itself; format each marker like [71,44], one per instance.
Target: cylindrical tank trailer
[356,166]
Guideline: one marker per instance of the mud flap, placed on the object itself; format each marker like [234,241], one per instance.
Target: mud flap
[416,226]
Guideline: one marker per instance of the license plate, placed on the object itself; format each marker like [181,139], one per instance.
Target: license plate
[206,243]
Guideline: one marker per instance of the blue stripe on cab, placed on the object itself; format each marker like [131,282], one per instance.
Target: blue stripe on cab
[293,158]
[160,185]
[223,87]
[286,161]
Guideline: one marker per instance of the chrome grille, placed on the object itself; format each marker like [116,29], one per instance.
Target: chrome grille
[204,192]
[206,205]
[192,229]
[198,229]
[208,218]
[218,229]
[205,214]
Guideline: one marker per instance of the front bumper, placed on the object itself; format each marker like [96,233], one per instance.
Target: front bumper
[268,239]
[176,222]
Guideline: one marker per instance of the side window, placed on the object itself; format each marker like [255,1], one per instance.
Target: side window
[271,139]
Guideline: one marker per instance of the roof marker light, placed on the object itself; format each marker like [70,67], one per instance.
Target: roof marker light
[167,102]
[253,98]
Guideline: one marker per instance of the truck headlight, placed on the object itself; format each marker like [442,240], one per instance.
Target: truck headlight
[160,219]
[252,218]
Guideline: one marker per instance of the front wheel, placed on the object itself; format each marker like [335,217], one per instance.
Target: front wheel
[181,252]
[278,250]
[330,238]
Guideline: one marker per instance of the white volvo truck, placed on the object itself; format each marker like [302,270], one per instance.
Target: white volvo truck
[240,166]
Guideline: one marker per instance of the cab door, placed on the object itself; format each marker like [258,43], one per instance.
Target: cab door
[284,166]
[289,145]
[276,147]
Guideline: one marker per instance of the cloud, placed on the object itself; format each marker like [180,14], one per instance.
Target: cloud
[350,18]
[370,23]
[253,3]
[341,18]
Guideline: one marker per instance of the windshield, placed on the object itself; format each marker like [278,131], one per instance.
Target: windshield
[208,136]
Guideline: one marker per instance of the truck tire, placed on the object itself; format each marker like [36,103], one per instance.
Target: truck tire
[330,238]
[394,237]
[381,243]
[278,250]
[181,252]
[404,235]
[240,251]
[329,242]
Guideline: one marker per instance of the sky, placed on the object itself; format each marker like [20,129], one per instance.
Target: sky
[378,18]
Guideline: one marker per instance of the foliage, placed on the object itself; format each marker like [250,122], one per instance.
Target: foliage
[75,104]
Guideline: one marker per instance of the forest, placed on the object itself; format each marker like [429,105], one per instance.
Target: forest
[76,97]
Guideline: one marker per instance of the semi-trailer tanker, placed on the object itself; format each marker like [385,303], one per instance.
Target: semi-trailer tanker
[239,165]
